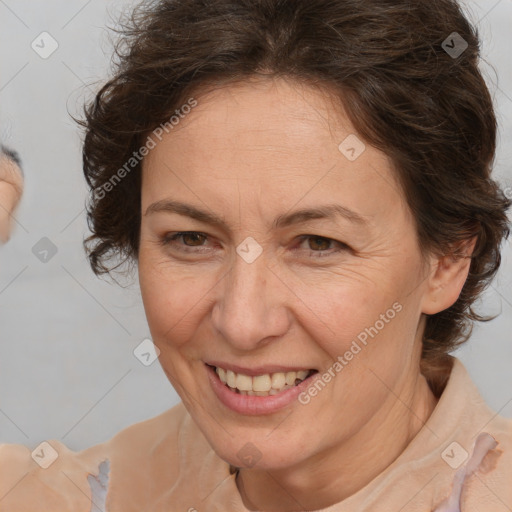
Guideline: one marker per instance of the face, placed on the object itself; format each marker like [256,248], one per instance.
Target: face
[287,261]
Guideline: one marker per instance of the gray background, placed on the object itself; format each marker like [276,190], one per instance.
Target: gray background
[67,368]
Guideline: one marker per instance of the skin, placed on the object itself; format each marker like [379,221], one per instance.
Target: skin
[248,153]
[11,187]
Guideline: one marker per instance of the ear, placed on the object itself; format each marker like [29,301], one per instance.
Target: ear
[448,273]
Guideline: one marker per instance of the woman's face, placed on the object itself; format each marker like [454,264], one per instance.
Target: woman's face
[261,288]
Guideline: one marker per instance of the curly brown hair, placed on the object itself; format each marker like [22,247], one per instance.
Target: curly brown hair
[389,63]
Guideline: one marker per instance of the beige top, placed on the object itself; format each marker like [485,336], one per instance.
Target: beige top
[166,464]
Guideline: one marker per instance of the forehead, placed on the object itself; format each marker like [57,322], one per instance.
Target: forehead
[276,139]
[277,112]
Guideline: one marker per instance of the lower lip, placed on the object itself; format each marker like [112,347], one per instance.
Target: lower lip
[255,405]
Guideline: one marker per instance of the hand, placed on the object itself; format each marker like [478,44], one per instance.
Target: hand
[11,188]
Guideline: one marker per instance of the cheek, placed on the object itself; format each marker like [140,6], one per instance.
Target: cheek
[337,308]
[352,323]
[369,319]
[173,297]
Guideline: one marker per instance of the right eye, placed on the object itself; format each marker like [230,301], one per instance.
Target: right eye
[184,241]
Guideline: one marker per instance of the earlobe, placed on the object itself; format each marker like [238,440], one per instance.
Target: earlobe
[447,277]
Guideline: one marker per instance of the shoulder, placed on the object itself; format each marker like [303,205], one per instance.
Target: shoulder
[153,431]
[138,448]
[50,476]
[486,476]
[488,482]
[467,446]
[495,475]
[157,462]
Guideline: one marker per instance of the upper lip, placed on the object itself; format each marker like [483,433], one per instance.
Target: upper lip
[253,371]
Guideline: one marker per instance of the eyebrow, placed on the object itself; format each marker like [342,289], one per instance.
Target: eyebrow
[329,211]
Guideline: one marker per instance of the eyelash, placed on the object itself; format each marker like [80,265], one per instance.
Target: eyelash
[170,239]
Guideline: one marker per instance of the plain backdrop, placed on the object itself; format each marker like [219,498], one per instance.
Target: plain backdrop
[67,367]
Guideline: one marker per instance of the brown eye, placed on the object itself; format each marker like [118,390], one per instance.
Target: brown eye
[321,246]
[318,243]
[195,239]
[186,241]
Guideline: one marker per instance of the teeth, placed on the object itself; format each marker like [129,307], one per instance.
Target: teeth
[261,385]
[231,379]
[278,380]
[290,378]
[243,382]
[221,373]
[302,374]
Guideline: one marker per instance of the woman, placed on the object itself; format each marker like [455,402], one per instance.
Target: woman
[305,190]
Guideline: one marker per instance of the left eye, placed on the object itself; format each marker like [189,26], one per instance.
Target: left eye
[319,245]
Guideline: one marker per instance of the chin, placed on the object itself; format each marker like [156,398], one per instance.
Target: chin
[258,451]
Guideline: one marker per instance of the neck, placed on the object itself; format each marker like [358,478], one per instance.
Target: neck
[334,475]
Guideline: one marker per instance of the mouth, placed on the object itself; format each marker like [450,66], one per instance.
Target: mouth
[263,385]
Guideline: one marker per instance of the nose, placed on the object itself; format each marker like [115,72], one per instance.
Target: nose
[250,310]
